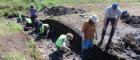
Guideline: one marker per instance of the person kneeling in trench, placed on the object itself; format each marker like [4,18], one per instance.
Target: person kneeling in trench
[19,18]
[63,43]
[28,24]
[89,34]
[41,30]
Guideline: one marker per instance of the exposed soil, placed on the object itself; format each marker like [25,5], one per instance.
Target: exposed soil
[47,46]
[60,10]
[49,50]
[132,20]
[73,23]
[57,28]
[128,46]
[12,42]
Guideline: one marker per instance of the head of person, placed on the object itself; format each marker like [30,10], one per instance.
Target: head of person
[36,19]
[31,6]
[125,12]
[69,36]
[93,19]
[115,5]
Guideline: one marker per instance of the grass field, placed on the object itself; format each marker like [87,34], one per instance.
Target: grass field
[8,27]
[15,55]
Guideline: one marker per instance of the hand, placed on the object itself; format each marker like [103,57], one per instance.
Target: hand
[66,50]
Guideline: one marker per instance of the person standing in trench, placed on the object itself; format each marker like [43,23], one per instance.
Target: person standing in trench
[89,34]
[112,14]
[33,14]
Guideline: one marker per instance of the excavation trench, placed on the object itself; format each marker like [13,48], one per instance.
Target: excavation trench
[57,28]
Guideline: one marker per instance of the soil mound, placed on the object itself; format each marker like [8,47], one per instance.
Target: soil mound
[131,20]
[128,46]
[60,10]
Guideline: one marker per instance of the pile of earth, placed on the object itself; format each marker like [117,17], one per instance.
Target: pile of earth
[60,10]
[128,46]
[131,20]
[98,54]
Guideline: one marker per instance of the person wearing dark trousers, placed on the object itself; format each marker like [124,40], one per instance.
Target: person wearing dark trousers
[28,23]
[112,14]
[33,14]
[44,31]
[37,25]
[40,30]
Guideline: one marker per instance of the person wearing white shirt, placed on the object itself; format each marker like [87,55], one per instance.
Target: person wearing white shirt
[112,14]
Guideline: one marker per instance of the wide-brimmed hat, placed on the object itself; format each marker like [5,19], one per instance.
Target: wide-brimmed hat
[94,18]
[70,35]
[115,5]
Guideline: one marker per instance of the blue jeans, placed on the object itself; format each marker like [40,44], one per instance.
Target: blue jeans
[87,44]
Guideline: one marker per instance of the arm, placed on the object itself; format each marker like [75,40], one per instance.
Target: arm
[104,22]
[36,12]
[115,24]
[65,45]
[84,27]
[117,19]
[83,30]
[105,18]
[96,34]
[29,13]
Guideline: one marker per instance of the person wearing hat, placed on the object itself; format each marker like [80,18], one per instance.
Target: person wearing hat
[63,46]
[28,23]
[112,14]
[62,42]
[33,14]
[37,25]
[43,31]
[125,14]
[89,34]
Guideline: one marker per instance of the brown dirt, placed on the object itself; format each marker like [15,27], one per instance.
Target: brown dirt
[14,41]
[74,20]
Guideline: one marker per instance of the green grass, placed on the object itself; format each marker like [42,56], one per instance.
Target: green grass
[8,26]
[15,55]
[43,3]
[59,2]
[34,51]
[12,6]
